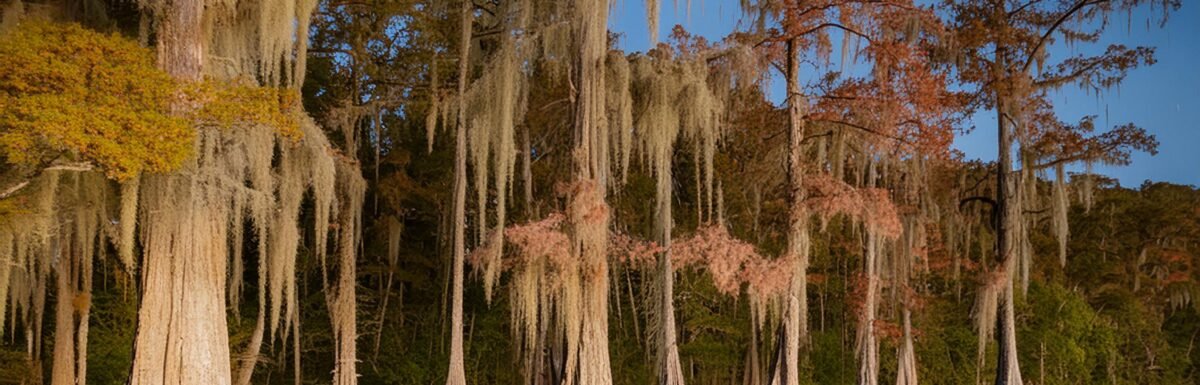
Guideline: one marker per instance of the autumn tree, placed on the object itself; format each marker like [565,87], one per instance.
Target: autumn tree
[192,205]
[805,31]
[1003,48]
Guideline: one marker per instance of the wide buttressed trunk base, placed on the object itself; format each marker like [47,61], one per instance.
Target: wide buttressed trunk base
[182,336]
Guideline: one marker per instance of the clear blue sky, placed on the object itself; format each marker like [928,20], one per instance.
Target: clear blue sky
[1163,98]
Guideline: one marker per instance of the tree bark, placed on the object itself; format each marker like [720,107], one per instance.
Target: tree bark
[588,210]
[182,335]
[868,373]
[344,304]
[456,374]
[63,365]
[907,361]
[1007,368]
[670,372]
[796,316]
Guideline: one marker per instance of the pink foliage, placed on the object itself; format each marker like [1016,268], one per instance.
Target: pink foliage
[632,251]
[543,239]
[829,197]
[586,207]
[766,278]
[879,212]
[483,256]
[725,258]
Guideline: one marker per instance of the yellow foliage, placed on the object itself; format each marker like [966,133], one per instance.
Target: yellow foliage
[226,105]
[12,207]
[69,92]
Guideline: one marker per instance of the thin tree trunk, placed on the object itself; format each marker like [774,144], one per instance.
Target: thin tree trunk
[753,371]
[345,305]
[796,316]
[250,357]
[669,370]
[83,305]
[868,373]
[907,374]
[1007,367]
[527,172]
[457,375]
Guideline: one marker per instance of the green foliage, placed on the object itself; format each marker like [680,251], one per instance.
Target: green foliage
[112,326]
[1065,340]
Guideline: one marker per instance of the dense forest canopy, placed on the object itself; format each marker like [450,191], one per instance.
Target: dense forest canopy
[424,192]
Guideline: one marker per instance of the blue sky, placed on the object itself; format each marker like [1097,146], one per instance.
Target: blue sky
[1163,98]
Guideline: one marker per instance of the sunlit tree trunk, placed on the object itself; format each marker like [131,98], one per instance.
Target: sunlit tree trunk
[344,305]
[669,370]
[907,358]
[63,366]
[182,335]
[457,375]
[868,346]
[588,212]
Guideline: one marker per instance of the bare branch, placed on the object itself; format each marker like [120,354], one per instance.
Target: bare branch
[13,189]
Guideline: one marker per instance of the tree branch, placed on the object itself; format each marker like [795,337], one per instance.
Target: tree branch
[861,128]
[1054,27]
[13,189]
[991,202]
[838,26]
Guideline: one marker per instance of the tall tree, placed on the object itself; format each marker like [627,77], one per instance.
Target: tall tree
[805,32]
[182,335]
[456,375]
[587,210]
[1004,48]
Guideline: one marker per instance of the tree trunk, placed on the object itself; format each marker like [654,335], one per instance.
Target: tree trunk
[868,373]
[670,373]
[181,39]
[752,371]
[457,375]
[669,370]
[83,305]
[588,210]
[63,365]
[182,335]
[344,306]
[796,315]
[907,357]
[1007,368]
